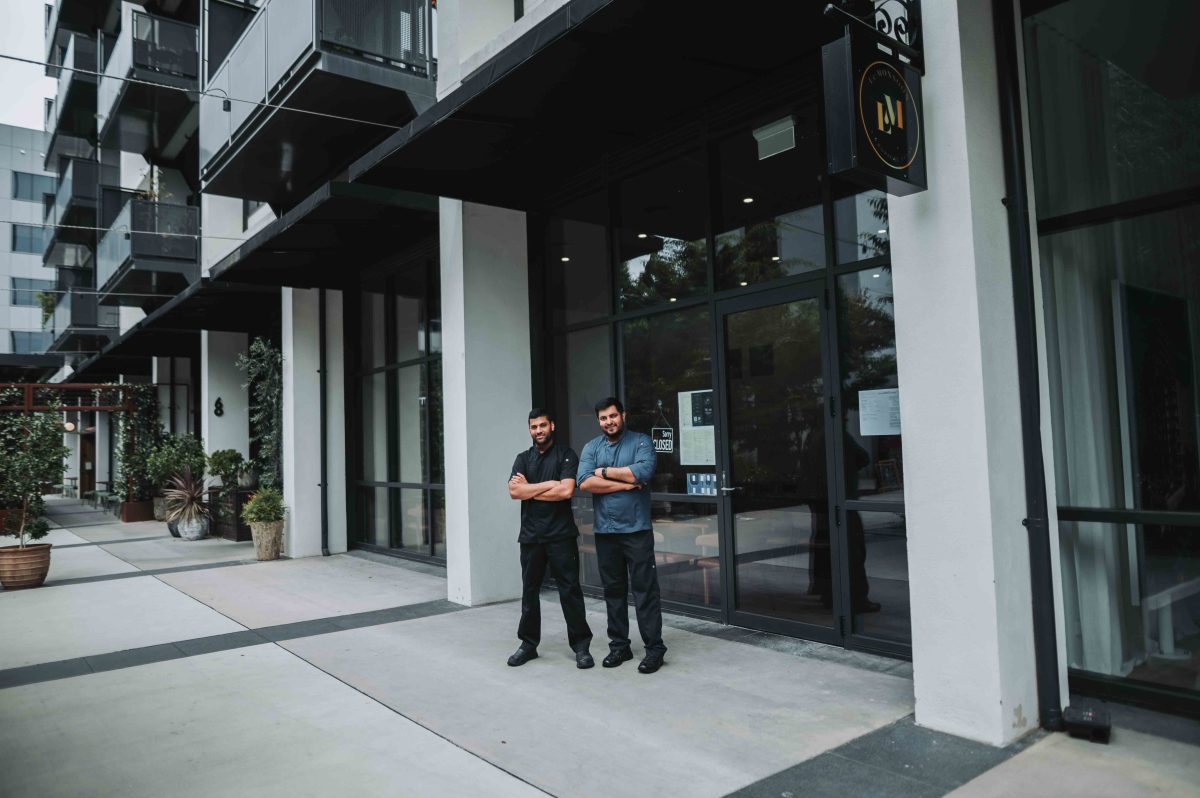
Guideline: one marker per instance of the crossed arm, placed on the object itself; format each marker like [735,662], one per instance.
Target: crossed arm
[555,490]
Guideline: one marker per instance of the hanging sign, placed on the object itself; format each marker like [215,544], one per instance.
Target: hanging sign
[874,121]
[664,439]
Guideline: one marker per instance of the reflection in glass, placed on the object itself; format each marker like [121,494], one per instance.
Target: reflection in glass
[577,261]
[668,369]
[791,243]
[437,458]
[410,312]
[371,329]
[374,427]
[870,397]
[411,424]
[777,456]
[1137,618]
[663,252]
[414,525]
[585,358]
[437,499]
[374,517]
[861,224]
[877,550]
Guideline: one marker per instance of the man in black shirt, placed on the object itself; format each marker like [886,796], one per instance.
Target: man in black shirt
[543,479]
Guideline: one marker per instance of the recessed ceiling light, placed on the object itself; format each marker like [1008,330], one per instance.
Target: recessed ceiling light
[883,232]
[747,200]
[774,257]
[876,274]
[565,259]
[641,235]
[743,282]
[673,299]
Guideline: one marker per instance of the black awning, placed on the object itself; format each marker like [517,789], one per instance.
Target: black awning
[173,330]
[310,245]
[593,82]
[27,368]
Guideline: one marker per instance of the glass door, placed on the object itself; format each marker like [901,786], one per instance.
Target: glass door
[780,556]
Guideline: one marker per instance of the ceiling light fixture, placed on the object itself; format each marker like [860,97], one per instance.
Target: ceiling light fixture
[641,235]
[674,299]
[774,257]
[747,200]
[565,259]
[743,282]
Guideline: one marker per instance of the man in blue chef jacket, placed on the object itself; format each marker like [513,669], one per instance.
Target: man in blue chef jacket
[615,468]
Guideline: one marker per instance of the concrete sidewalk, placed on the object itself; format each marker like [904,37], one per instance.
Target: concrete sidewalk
[149,665]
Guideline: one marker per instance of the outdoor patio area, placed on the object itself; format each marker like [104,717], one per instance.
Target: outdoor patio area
[150,665]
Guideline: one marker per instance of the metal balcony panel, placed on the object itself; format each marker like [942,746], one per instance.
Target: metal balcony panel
[148,91]
[321,56]
[149,254]
[75,101]
[72,16]
[80,324]
[75,204]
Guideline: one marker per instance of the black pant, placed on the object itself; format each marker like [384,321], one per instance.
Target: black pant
[625,559]
[563,558]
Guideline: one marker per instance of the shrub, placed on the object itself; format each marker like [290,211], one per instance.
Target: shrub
[264,506]
[172,455]
[226,464]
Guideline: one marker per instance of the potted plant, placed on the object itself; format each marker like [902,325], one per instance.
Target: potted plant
[185,504]
[138,434]
[168,459]
[264,512]
[225,502]
[32,456]
[227,465]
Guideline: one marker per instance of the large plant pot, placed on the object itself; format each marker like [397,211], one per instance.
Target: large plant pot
[173,528]
[22,568]
[247,479]
[137,511]
[160,508]
[193,530]
[268,539]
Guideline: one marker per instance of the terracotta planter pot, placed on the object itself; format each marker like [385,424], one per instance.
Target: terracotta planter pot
[22,568]
[160,508]
[137,511]
[268,539]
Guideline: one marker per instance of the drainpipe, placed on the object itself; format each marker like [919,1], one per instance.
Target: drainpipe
[324,429]
[1037,523]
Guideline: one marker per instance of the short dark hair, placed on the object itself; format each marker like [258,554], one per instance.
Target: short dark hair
[609,401]
[538,412]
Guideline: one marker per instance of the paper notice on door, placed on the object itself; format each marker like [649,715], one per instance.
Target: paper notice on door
[879,412]
[697,428]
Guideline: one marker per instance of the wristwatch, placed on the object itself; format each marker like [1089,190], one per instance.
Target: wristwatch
[604,473]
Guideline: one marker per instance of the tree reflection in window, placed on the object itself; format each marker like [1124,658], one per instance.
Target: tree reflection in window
[669,270]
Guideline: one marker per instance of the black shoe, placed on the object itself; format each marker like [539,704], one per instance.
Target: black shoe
[583,660]
[651,663]
[615,658]
[521,656]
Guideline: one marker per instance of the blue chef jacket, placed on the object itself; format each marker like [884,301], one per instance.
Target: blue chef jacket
[627,510]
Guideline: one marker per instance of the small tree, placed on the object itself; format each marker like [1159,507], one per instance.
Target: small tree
[33,457]
[263,366]
[172,454]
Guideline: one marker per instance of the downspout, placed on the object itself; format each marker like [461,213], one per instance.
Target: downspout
[1037,523]
[324,428]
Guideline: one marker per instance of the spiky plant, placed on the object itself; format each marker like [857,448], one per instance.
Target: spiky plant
[185,498]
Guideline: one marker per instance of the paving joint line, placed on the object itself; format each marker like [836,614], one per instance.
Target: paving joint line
[108,542]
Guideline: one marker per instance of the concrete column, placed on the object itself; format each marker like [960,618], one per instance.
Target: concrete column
[221,379]
[103,425]
[486,390]
[968,555]
[301,422]
[335,414]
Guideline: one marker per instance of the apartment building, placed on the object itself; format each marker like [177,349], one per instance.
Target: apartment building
[904,293]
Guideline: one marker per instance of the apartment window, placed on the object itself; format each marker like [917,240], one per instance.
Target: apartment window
[25,291]
[29,238]
[32,188]
[30,343]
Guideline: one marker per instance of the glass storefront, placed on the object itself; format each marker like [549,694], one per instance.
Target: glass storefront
[1114,111]
[741,306]
[399,502]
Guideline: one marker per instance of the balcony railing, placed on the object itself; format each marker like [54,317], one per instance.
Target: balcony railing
[80,55]
[151,231]
[393,32]
[77,310]
[79,182]
[153,44]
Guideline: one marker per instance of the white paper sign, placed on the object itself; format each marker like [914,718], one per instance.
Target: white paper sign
[697,428]
[879,412]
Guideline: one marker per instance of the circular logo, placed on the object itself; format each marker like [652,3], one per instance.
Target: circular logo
[888,115]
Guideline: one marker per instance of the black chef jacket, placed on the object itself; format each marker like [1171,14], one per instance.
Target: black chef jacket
[542,522]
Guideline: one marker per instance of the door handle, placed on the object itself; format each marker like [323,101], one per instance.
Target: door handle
[729,490]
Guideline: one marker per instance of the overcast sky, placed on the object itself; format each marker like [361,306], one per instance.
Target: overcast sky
[23,87]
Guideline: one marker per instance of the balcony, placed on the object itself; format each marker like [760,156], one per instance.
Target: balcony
[152,120]
[79,323]
[73,213]
[65,18]
[74,111]
[367,60]
[149,254]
